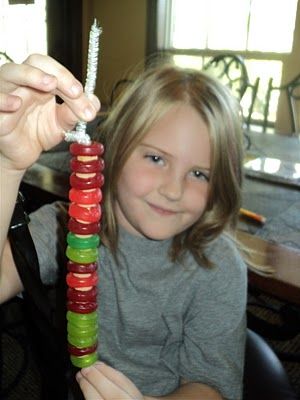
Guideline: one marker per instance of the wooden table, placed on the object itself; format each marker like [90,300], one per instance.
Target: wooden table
[285,282]
[277,242]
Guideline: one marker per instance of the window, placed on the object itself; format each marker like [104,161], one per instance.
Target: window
[191,31]
[23,28]
[52,27]
[239,25]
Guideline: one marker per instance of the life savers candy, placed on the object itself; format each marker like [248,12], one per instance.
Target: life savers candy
[92,182]
[86,167]
[82,296]
[83,228]
[82,307]
[82,341]
[93,149]
[82,320]
[81,280]
[75,351]
[87,214]
[84,361]
[82,256]
[92,196]
[81,268]
[83,242]
[83,331]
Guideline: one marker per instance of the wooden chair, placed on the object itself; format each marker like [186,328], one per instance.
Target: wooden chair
[232,71]
[291,90]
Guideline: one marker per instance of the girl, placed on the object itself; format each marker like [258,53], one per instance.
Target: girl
[172,283]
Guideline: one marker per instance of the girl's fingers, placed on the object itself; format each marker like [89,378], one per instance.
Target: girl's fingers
[113,375]
[69,113]
[88,390]
[110,383]
[85,108]
[67,84]
[13,76]
[41,73]
[9,103]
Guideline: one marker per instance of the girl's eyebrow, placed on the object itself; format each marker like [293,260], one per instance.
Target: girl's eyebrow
[156,148]
[143,144]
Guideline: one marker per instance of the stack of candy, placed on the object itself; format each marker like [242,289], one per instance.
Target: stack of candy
[82,251]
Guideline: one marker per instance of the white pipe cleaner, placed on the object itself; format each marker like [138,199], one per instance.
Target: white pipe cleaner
[80,135]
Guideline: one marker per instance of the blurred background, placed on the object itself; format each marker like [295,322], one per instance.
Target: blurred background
[264,33]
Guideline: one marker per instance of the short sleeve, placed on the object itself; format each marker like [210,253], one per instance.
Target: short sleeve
[213,345]
[48,230]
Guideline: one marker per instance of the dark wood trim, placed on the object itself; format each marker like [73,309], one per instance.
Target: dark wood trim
[151,37]
[64,21]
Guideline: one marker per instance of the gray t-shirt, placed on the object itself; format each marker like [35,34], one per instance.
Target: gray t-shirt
[160,321]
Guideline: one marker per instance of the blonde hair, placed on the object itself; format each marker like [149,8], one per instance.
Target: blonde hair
[146,100]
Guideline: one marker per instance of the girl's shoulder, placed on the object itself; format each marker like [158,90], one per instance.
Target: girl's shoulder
[226,258]
[222,248]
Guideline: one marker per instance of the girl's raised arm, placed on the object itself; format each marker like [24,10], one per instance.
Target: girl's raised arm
[31,121]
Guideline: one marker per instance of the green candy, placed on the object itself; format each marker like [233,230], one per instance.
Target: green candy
[83,320]
[82,342]
[84,256]
[84,361]
[83,242]
[83,331]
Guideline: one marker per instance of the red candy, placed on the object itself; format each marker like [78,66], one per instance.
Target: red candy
[81,281]
[82,308]
[81,268]
[93,182]
[87,214]
[93,149]
[81,296]
[83,229]
[75,351]
[85,196]
[86,167]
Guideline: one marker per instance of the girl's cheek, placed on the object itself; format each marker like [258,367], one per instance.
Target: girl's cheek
[196,197]
[145,181]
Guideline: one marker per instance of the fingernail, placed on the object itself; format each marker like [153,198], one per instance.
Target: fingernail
[88,113]
[78,376]
[75,89]
[96,102]
[85,370]
[99,363]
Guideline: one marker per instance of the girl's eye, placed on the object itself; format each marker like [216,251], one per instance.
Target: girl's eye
[200,175]
[155,159]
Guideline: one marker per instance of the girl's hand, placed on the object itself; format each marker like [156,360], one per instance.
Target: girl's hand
[101,382]
[31,120]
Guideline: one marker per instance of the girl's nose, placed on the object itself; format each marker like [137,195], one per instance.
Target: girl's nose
[172,187]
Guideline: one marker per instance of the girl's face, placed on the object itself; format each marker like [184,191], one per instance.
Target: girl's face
[163,187]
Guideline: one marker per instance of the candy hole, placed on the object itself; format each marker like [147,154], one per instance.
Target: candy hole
[83,236]
[86,158]
[85,176]
[87,205]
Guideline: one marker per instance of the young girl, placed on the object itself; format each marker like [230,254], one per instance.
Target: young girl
[172,290]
